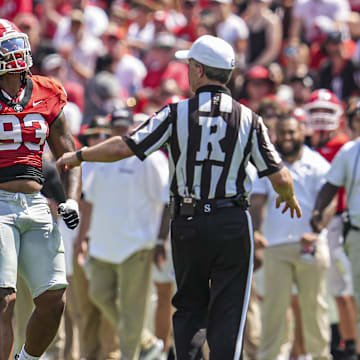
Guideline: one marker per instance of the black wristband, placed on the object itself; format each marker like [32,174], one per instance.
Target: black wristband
[79,154]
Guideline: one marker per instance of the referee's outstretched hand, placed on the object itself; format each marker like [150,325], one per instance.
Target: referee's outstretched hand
[67,161]
[291,204]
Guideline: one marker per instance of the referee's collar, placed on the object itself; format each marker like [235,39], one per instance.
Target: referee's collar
[213,89]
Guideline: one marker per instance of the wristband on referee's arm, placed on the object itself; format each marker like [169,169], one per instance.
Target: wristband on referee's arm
[79,154]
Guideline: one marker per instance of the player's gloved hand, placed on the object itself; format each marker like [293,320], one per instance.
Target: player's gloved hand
[69,211]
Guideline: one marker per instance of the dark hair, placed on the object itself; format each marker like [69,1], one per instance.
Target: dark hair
[216,74]
[275,105]
[287,117]
[104,62]
[353,109]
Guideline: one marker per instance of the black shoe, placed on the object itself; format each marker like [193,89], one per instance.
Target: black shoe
[171,354]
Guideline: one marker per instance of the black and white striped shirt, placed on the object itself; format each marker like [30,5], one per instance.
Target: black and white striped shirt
[210,140]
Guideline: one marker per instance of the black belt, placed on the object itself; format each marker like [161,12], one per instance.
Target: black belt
[187,206]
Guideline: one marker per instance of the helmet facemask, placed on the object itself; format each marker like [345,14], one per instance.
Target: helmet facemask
[323,116]
[15,53]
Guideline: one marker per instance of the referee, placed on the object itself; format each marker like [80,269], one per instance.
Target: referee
[210,139]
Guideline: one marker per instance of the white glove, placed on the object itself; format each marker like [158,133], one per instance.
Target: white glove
[69,211]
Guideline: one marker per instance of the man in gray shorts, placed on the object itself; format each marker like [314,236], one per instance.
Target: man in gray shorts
[30,113]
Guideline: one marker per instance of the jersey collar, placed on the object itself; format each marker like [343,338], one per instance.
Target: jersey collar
[214,89]
[24,99]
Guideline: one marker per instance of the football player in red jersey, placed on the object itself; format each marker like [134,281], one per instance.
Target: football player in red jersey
[324,112]
[30,114]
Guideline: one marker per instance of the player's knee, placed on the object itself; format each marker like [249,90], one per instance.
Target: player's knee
[7,302]
[52,301]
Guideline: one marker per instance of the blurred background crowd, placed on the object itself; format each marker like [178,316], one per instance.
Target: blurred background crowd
[115,59]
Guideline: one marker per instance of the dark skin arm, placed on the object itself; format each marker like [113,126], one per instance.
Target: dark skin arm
[324,198]
[61,141]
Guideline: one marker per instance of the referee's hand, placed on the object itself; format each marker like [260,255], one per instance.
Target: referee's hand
[291,204]
[67,161]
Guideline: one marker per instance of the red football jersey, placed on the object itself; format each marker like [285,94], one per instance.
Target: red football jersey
[328,151]
[24,126]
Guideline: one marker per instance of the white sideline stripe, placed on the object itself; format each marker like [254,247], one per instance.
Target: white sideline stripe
[239,339]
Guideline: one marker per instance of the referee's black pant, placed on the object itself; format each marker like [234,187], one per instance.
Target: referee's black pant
[213,259]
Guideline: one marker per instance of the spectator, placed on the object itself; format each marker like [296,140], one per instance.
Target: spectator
[97,336]
[339,74]
[10,8]
[78,47]
[128,69]
[294,58]
[301,85]
[230,27]
[168,20]
[305,12]
[190,9]
[102,95]
[121,258]
[29,24]
[257,86]
[285,262]
[158,59]
[54,65]
[272,111]
[141,31]
[265,33]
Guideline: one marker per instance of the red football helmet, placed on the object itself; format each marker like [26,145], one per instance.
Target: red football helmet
[15,51]
[324,110]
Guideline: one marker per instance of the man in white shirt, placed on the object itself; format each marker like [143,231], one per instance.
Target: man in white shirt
[128,199]
[78,46]
[129,70]
[345,171]
[306,11]
[295,255]
[231,28]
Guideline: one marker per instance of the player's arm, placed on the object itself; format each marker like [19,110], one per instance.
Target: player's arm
[110,150]
[325,196]
[61,141]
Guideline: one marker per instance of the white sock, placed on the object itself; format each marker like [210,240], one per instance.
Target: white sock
[25,356]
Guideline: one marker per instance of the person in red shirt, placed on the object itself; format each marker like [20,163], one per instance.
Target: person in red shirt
[190,9]
[10,8]
[324,112]
[31,113]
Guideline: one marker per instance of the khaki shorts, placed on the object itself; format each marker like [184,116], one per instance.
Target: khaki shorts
[339,275]
[31,243]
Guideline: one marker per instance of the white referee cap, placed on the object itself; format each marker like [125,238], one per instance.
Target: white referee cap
[211,51]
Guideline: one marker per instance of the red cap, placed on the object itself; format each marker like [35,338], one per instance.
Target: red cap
[258,72]
[115,31]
